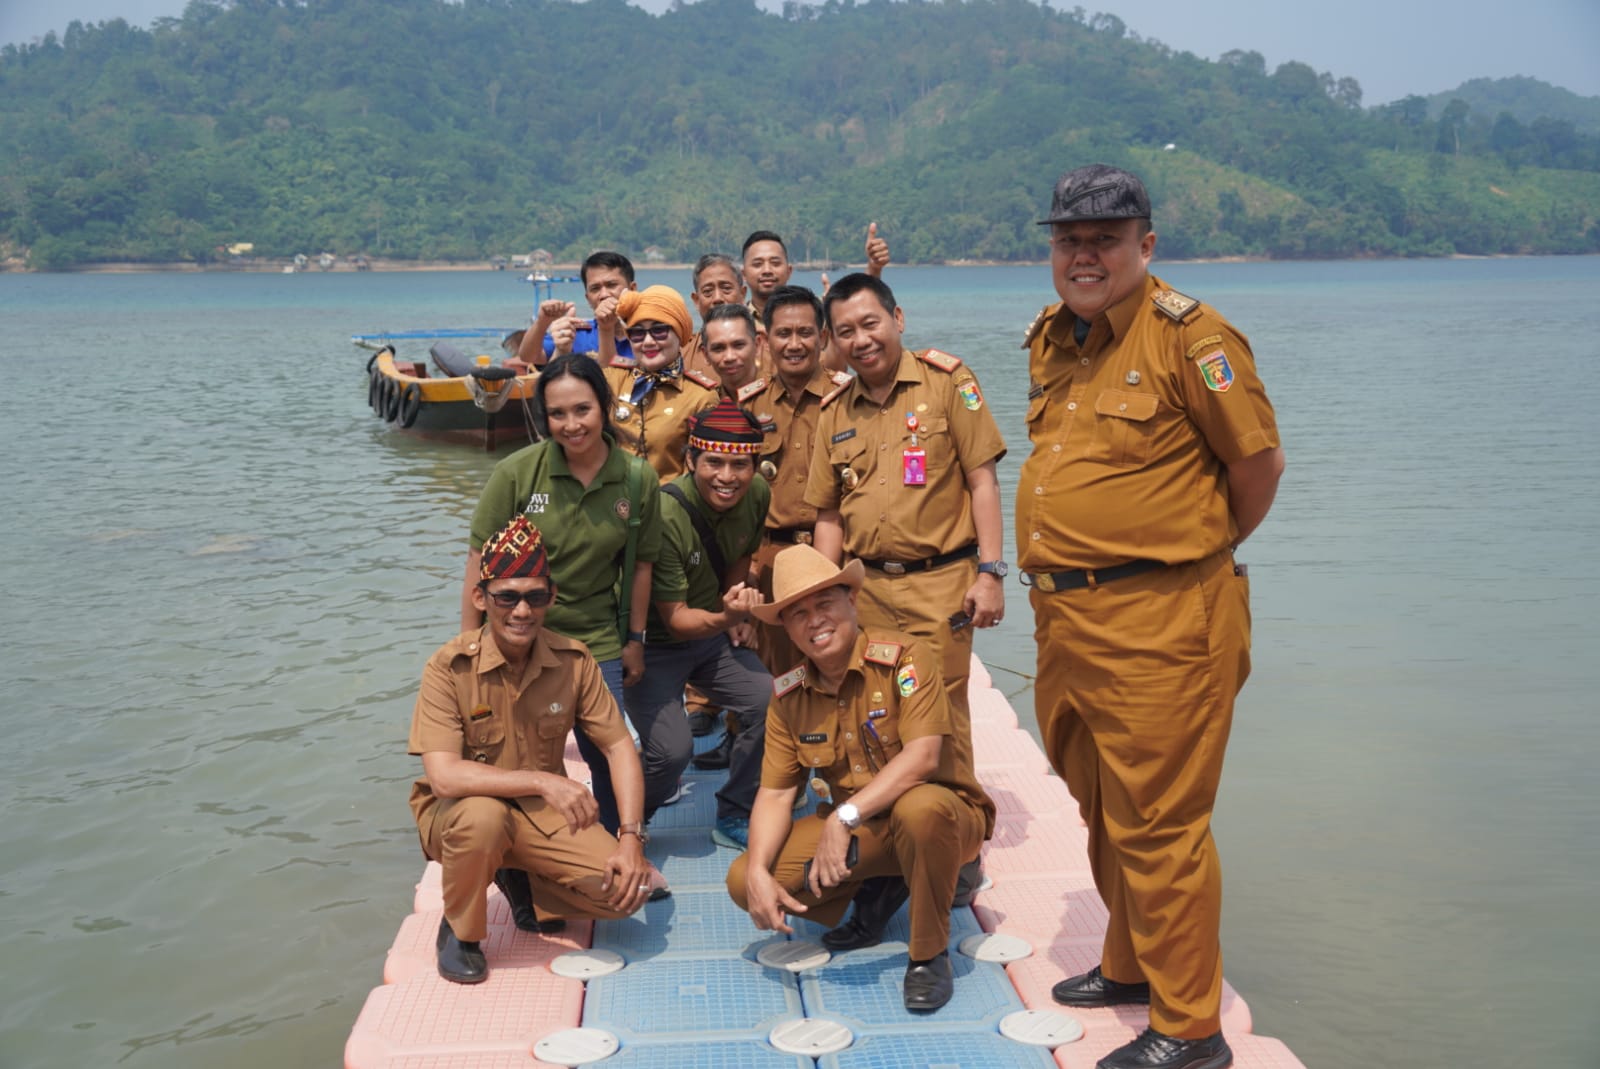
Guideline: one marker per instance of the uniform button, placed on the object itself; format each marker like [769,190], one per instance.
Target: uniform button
[1072,406]
[1084,361]
[858,768]
[882,480]
[1056,448]
[848,736]
[883,447]
[1122,408]
[1038,490]
[1034,536]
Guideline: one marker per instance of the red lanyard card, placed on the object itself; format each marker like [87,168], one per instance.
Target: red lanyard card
[914,467]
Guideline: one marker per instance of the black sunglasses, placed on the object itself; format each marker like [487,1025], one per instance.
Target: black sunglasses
[507,599]
[660,332]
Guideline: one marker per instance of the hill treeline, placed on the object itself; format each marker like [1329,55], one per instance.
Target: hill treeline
[433,130]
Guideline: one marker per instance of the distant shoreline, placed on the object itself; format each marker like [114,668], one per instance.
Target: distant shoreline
[277,267]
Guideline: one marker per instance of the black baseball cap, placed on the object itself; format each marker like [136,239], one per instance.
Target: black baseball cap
[1097,192]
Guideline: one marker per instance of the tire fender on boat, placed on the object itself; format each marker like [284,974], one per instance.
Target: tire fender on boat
[410,403]
[374,389]
[391,402]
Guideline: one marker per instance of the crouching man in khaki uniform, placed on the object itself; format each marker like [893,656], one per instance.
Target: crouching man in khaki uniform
[491,725]
[868,712]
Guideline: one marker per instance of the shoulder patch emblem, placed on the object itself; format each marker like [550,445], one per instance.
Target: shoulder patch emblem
[1216,371]
[1200,346]
[835,393]
[971,397]
[905,680]
[840,378]
[699,377]
[1173,304]
[939,359]
[751,390]
[1038,324]
[886,653]
[791,679]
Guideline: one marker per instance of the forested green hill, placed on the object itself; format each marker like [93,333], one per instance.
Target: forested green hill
[426,129]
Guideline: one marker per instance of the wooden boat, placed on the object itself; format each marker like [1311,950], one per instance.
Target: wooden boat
[466,398]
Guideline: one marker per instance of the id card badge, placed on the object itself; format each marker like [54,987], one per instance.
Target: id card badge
[914,467]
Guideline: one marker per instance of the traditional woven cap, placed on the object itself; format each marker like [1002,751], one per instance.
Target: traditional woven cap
[726,428]
[800,571]
[660,303]
[1097,192]
[515,552]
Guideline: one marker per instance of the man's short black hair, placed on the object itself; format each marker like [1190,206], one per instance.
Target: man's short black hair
[763,235]
[850,285]
[784,296]
[606,258]
[740,312]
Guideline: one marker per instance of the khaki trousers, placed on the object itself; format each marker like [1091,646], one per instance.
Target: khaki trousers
[925,837]
[1134,698]
[921,604]
[471,837]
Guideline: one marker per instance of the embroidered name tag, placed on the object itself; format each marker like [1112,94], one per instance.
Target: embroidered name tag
[843,436]
[817,737]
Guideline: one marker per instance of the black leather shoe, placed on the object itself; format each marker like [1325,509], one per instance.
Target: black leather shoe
[459,961]
[712,760]
[1093,989]
[1152,1050]
[875,904]
[930,984]
[518,893]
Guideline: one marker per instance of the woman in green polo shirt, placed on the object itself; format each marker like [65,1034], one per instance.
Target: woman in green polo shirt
[581,489]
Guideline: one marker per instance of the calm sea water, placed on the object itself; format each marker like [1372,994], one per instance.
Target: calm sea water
[222,576]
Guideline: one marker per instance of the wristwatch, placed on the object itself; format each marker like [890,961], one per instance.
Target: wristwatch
[996,568]
[634,829]
[849,815]
[637,636]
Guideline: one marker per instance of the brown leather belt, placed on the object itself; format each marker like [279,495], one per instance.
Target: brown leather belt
[905,567]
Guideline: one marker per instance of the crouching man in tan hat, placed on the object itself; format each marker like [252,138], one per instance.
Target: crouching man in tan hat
[868,713]
[491,725]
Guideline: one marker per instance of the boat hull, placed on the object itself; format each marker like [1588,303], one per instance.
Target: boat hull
[404,396]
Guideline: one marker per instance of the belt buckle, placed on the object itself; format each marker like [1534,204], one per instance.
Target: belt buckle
[1045,581]
[893,567]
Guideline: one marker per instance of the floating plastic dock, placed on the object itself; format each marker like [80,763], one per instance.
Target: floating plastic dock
[686,983]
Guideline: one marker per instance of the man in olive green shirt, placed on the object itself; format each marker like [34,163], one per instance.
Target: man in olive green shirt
[700,630]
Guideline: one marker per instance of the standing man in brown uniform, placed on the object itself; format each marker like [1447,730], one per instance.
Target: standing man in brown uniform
[1155,453]
[788,407]
[865,709]
[903,479]
[491,725]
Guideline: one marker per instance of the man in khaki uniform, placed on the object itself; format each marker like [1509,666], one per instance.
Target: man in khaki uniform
[1155,453]
[491,725]
[655,395]
[788,408]
[903,479]
[866,710]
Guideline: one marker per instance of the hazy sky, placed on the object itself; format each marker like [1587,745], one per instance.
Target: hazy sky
[1392,47]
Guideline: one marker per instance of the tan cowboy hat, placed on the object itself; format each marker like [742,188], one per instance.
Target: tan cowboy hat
[799,571]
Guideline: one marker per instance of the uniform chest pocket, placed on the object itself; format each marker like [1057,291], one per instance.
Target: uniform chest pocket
[933,437]
[850,462]
[819,746]
[1125,426]
[553,726]
[485,738]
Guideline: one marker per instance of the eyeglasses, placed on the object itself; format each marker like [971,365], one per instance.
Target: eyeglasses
[507,599]
[660,332]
